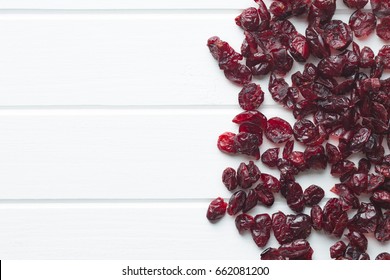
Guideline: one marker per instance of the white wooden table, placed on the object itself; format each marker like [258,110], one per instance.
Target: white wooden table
[109,116]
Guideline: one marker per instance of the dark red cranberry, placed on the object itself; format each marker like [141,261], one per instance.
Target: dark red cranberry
[249,19]
[299,48]
[305,131]
[240,75]
[362,23]
[384,54]
[253,117]
[383,28]
[216,210]
[265,196]
[295,198]
[253,129]
[236,202]
[355,4]
[280,9]
[280,228]
[332,153]
[337,35]
[229,178]
[381,7]
[322,10]
[383,256]
[278,130]
[347,199]
[374,182]
[352,253]
[313,195]
[365,220]
[288,149]
[261,230]
[316,215]
[247,144]
[247,174]
[358,240]
[250,97]
[251,200]
[270,157]
[342,167]
[337,249]
[226,143]
[269,182]
[295,249]
[333,217]
[283,62]
[226,56]
[278,88]
[244,222]
[315,157]
[367,57]
[297,160]
[317,45]
[381,198]
[299,226]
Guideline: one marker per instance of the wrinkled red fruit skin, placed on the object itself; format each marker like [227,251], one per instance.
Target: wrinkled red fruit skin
[236,202]
[251,200]
[270,157]
[362,23]
[337,35]
[244,222]
[337,250]
[334,218]
[226,143]
[265,196]
[247,174]
[383,28]
[229,178]
[382,232]
[269,182]
[383,256]
[290,227]
[216,210]
[357,240]
[261,230]
[313,195]
[295,250]
[381,198]
[380,7]
[316,215]
[250,97]
[355,4]
[365,220]
[278,130]
[295,198]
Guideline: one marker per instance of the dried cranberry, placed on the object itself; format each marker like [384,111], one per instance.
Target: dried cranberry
[337,34]
[295,198]
[305,131]
[337,249]
[249,19]
[265,196]
[362,23]
[332,153]
[247,174]
[236,202]
[216,210]
[283,62]
[322,10]
[226,56]
[240,75]
[226,143]
[383,256]
[365,220]
[278,88]
[261,230]
[278,130]
[317,45]
[250,201]
[229,178]
[253,129]
[358,240]
[315,157]
[381,198]
[384,54]
[299,48]
[313,195]
[355,4]
[253,117]
[366,58]
[295,249]
[316,215]
[244,222]
[250,97]
[270,157]
[383,28]
[269,182]
[380,7]
[247,144]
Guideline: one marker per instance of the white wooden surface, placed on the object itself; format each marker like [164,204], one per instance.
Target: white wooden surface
[109,115]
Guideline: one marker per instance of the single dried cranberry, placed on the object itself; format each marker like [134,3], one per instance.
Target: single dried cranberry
[295,249]
[381,7]
[364,166]
[270,157]
[288,149]
[347,199]
[305,131]
[226,56]
[253,129]
[315,157]
[313,195]
[269,182]
[250,97]
[247,144]
[362,23]
[322,10]
[249,19]
[297,160]
[278,88]
[260,63]
[283,62]
[357,240]
[337,34]
[381,198]
[244,222]
[334,217]
[295,198]
[359,140]
[280,228]
[299,48]
[278,130]
[342,167]
[374,182]
[240,75]
[299,226]
[253,117]
[383,256]
[355,4]
[261,230]
[226,143]
[317,45]
[316,216]
[384,54]
[216,210]
[366,59]
[251,200]
[265,196]
[229,178]
[337,249]
[383,28]
[247,174]
[280,9]
[365,220]
[332,153]
[236,202]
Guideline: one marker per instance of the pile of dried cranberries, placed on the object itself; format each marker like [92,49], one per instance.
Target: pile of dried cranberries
[343,97]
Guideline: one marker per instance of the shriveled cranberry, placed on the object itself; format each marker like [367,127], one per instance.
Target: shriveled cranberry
[249,19]
[353,253]
[299,226]
[261,230]
[253,117]
[355,4]
[332,153]
[247,174]
[332,215]
[280,227]
[226,143]
[278,130]
[337,34]
[316,215]
[240,75]
[315,157]
[338,249]
[347,198]
[283,62]
[364,166]
[280,9]
[365,220]
[358,183]
[295,249]
[305,131]
[247,144]
[250,201]
[317,45]
[216,209]
[270,157]
[236,202]
[229,178]
[322,10]
[359,140]
[380,7]
[288,149]
[381,198]
[253,129]
[358,240]
[244,222]
[278,88]
[384,54]
[342,167]
[269,182]
[260,63]
[226,56]
[265,196]
[362,23]
[299,48]
[374,182]
[383,28]
[313,195]
[383,256]
[382,231]
[295,198]
[271,254]
[366,58]
[250,97]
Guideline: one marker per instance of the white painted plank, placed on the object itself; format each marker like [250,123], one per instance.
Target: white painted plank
[119,154]
[118,58]
[133,231]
